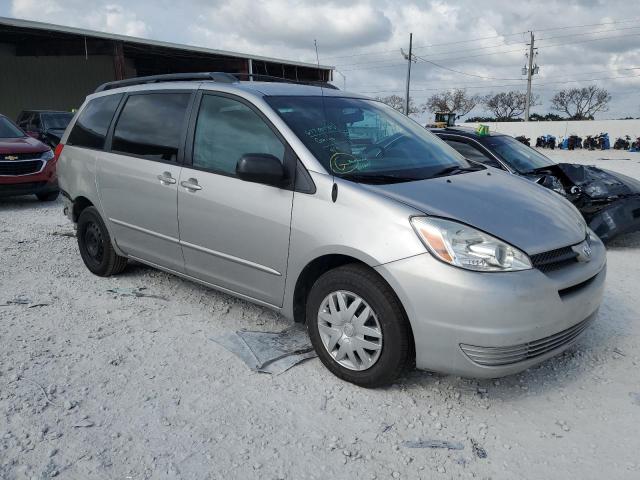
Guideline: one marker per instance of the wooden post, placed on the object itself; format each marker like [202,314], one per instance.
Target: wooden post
[118,61]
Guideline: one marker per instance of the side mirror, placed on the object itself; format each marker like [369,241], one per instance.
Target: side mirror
[261,168]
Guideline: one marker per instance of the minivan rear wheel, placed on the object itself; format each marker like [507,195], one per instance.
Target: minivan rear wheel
[95,245]
[357,326]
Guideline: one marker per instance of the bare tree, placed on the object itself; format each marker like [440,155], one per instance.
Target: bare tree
[507,105]
[457,101]
[397,103]
[581,103]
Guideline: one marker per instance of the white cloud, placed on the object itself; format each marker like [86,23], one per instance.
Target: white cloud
[112,18]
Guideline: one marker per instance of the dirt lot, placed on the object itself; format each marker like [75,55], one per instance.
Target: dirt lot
[95,385]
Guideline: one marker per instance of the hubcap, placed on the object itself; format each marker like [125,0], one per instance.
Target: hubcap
[349,330]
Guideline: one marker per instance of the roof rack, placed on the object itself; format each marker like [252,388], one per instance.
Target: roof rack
[272,78]
[221,77]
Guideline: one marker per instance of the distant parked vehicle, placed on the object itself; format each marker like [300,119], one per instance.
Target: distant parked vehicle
[609,201]
[525,140]
[44,125]
[622,143]
[571,142]
[603,141]
[546,141]
[27,166]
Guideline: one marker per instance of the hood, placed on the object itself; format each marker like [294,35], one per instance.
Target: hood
[597,183]
[506,206]
[21,145]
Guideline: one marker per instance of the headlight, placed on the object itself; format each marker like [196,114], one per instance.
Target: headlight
[466,247]
[48,155]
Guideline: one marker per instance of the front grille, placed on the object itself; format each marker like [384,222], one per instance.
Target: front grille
[20,168]
[499,356]
[21,156]
[554,259]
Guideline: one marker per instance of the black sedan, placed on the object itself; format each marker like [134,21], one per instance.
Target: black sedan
[609,201]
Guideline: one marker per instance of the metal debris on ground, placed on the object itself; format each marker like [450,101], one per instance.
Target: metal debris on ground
[43,304]
[19,300]
[64,234]
[433,444]
[269,352]
[135,292]
[478,451]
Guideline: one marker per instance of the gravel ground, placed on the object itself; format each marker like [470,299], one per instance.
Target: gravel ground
[95,385]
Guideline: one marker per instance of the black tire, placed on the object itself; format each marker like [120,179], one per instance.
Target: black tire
[48,197]
[396,336]
[95,245]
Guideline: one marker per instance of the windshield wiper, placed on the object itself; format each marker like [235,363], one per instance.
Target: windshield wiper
[378,178]
[455,170]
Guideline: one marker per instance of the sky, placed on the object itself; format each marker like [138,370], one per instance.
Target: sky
[479,45]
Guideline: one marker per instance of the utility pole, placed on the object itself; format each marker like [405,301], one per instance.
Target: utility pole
[409,60]
[529,75]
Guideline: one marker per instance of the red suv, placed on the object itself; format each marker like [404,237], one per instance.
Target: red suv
[27,166]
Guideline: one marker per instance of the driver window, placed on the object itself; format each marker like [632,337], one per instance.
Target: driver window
[472,153]
[226,130]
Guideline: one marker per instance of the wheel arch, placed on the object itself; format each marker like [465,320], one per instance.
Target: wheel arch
[322,264]
[79,204]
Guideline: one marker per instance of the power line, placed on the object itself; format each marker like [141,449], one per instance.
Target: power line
[379,60]
[462,73]
[590,33]
[615,22]
[395,50]
[566,27]
[448,59]
[509,85]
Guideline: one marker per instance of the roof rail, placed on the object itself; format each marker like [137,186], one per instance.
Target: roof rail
[272,78]
[221,77]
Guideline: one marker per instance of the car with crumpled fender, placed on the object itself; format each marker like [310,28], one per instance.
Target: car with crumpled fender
[290,196]
[608,200]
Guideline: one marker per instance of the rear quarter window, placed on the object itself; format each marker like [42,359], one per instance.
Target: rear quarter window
[151,126]
[90,130]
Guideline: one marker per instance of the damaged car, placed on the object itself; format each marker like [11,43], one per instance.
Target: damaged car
[48,126]
[609,201]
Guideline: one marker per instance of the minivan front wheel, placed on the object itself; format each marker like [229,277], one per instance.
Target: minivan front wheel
[357,326]
[95,246]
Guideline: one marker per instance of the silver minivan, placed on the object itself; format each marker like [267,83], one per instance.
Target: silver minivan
[334,210]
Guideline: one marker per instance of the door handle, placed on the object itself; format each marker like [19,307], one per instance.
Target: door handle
[166,178]
[191,185]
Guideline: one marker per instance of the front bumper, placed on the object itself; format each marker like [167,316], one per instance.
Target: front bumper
[450,307]
[45,181]
[622,216]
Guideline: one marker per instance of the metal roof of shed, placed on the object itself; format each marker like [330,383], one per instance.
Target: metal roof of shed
[29,24]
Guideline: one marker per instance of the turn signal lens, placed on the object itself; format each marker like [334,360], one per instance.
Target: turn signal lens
[57,152]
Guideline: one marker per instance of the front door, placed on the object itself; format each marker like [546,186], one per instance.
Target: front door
[138,177]
[234,234]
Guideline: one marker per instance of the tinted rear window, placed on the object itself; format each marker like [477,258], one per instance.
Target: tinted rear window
[150,126]
[91,127]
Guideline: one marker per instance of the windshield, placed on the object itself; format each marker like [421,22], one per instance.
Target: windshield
[518,156]
[9,130]
[367,141]
[57,121]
